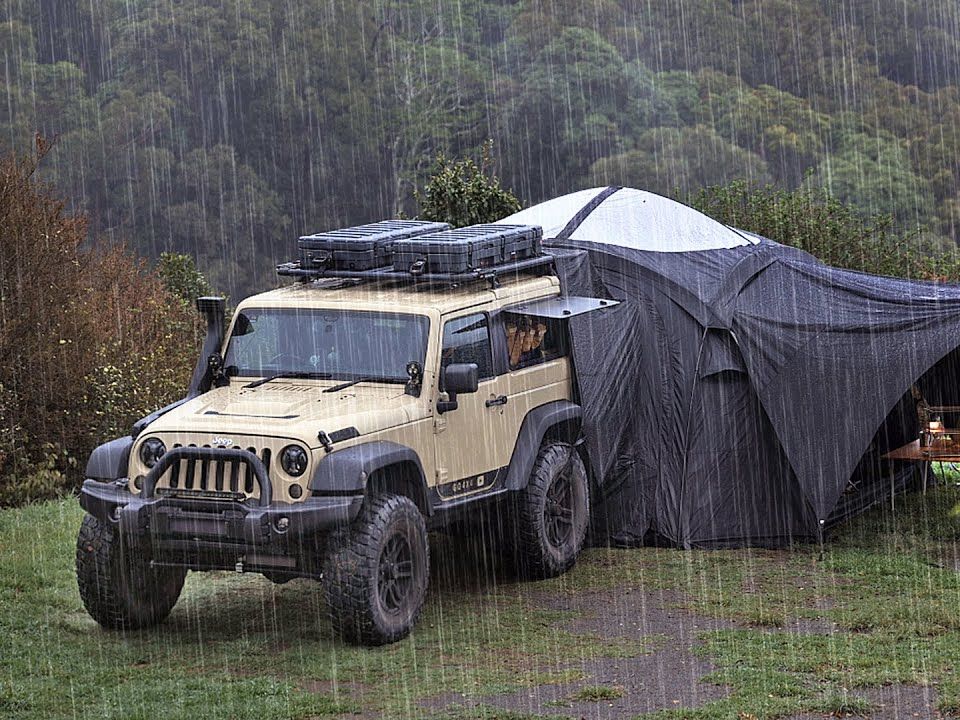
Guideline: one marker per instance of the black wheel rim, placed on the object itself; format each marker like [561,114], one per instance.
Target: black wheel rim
[558,511]
[395,574]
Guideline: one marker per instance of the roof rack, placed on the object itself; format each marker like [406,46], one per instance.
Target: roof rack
[416,251]
[362,247]
[492,275]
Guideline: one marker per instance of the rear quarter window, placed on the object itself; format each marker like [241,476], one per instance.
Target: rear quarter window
[532,340]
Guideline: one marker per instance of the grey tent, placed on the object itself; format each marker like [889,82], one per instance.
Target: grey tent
[742,392]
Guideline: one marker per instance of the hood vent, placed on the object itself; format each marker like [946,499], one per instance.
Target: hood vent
[288,388]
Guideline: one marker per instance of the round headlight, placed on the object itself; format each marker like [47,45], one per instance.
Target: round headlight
[151,451]
[293,460]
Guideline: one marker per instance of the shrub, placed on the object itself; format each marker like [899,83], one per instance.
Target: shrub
[180,276]
[836,233]
[90,338]
[461,193]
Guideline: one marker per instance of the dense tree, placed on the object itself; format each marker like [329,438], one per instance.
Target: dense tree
[873,172]
[566,115]
[779,127]
[223,130]
[667,159]
[226,129]
[428,93]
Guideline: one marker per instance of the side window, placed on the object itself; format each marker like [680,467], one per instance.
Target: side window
[467,340]
[532,340]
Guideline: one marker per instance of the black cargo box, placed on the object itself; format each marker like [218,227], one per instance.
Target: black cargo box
[363,247]
[466,249]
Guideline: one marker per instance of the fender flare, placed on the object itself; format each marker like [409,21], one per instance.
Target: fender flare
[140,425]
[534,428]
[110,460]
[348,470]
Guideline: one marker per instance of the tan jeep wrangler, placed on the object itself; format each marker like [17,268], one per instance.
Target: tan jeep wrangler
[333,425]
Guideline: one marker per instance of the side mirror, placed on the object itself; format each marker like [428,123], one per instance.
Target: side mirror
[461,378]
[457,378]
[241,326]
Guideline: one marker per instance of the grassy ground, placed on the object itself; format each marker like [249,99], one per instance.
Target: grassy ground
[240,647]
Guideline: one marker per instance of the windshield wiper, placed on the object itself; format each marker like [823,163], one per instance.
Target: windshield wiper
[362,378]
[289,374]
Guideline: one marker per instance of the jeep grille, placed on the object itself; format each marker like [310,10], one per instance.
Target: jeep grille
[232,479]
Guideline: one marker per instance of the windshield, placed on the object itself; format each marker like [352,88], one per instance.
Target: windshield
[339,344]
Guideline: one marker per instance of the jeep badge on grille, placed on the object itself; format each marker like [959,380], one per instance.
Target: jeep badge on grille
[221,442]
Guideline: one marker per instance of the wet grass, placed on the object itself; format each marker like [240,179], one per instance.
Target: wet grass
[882,607]
[239,646]
[597,693]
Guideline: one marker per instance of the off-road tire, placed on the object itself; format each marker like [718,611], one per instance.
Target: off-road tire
[277,578]
[119,588]
[553,512]
[370,603]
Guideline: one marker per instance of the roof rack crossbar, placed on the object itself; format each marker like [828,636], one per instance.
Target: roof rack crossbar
[490,274]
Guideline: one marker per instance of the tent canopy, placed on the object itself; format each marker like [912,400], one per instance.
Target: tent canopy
[764,385]
[631,218]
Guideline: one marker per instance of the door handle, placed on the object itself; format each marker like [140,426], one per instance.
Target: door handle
[499,400]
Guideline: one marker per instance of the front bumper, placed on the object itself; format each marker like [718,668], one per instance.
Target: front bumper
[169,520]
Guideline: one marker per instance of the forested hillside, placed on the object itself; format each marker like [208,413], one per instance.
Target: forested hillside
[224,128]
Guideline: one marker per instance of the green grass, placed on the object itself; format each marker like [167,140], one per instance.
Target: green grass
[888,584]
[240,647]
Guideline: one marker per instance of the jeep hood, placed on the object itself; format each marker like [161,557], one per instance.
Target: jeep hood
[293,410]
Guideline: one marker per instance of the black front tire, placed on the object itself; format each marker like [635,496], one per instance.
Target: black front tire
[119,588]
[277,578]
[376,572]
[553,512]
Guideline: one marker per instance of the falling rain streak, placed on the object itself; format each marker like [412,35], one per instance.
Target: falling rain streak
[206,136]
